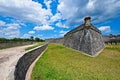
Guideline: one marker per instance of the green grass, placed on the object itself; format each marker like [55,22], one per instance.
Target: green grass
[61,63]
[36,45]
[113,47]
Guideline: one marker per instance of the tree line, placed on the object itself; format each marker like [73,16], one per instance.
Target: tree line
[22,39]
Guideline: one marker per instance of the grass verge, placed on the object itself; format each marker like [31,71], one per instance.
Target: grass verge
[61,63]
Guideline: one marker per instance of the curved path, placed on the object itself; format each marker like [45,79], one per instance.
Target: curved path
[8,61]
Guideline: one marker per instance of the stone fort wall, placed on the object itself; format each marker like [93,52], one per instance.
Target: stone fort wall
[13,44]
[25,61]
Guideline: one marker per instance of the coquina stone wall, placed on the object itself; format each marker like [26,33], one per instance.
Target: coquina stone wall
[25,61]
[13,44]
[87,41]
[112,39]
[85,38]
[55,40]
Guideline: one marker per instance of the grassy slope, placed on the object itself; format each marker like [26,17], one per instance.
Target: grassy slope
[61,63]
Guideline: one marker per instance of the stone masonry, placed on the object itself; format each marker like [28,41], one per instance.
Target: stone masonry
[85,38]
[26,60]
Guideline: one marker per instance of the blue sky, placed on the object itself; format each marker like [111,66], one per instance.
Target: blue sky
[53,18]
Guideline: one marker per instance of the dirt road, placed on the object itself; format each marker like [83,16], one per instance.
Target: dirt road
[8,60]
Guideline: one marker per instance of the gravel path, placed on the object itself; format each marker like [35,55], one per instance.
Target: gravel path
[8,60]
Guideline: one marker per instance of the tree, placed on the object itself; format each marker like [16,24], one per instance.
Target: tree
[37,39]
[31,38]
[111,35]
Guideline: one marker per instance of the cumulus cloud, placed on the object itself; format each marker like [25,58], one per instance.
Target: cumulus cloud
[90,4]
[26,10]
[72,10]
[48,2]
[75,10]
[26,35]
[2,23]
[10,30]
[62,33]
[30,11]
[56,17]
[44,27]
[105,28]
[13,26]
[31,32]
[59,24]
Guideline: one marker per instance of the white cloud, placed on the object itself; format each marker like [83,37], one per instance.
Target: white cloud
[26,35]
[2,23]
[100,10]
[31,32]
[48,2]
[59,24]
[90,4]
[65,8]
[56,17]
[25,10]
[44,27]
[105,28]
[11,33]
[62,33]
[13,26]
[10,30]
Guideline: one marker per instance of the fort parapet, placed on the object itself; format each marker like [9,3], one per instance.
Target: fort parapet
[85,38]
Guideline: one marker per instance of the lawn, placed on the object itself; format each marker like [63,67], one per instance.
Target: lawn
[61,63]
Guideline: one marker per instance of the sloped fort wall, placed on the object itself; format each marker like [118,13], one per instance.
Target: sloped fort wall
[85,38]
